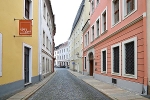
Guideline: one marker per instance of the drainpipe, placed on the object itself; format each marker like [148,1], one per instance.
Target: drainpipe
[145,81]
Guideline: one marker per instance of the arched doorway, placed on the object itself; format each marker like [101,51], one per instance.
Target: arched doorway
[91,64]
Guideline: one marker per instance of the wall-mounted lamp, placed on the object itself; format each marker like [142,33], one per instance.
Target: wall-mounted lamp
[78,55]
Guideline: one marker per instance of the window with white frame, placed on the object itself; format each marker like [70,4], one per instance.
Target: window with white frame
[46,65]
[0,54]
[28,5]
[44,11]
[47,42]
[104,20]
[92,33]
[97,2]
[43,65]
[47,19]
[43,38]
[85,40]
[97,27]
[50,47]
[115,11]
[129,7]
[104,60]
[88,37]
[129,58]
[116,59]
[92,6]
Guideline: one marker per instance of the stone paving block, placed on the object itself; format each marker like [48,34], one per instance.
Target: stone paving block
[13,99]
[132,98]
[124,94]
[113,91]
[64,86]
[17,97]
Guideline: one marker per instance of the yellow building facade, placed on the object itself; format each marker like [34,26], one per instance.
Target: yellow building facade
[76,37]
[18,54]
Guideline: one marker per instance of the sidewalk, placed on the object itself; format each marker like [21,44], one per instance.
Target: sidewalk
[25,94]
[111,91]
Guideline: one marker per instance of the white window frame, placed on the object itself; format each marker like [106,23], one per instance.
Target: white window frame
[92,38]
[102,30]
[30,61]
[44,35]
[99,26]
[1,54]
[97,3]
[44,10]
[105,49]
[92,9]
[113,46]
[124,9]
[88,38]
[135,56]
[30,10]
[112,14]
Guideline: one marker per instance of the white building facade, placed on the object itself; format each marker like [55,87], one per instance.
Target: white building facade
[62,54]
[46,38]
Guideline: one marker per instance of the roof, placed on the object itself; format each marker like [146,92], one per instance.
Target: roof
[61,45]
[77,16]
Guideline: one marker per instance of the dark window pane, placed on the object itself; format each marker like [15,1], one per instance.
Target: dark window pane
[104,60]
[116,59]
[130,6]
[129,58]
[27,8]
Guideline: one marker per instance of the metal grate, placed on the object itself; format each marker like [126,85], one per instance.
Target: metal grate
[104,60]
[129,58]
[116,59]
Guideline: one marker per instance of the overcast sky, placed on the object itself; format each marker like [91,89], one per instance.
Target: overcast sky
[65,12]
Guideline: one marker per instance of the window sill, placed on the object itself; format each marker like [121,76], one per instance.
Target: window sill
[132,12]
[115,24]
[129,76]
[116,74]
[103,72]
[104,32]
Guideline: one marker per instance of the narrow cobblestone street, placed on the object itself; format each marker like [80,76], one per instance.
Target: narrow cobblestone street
[65,86]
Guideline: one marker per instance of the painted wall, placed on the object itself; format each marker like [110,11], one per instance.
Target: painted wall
[12,47]
[148,45]
[123,31]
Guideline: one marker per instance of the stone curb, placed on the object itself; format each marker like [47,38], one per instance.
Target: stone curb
[31,93]
[38,86]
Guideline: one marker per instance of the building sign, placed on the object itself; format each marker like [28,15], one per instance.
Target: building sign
[25,27]
[73,63]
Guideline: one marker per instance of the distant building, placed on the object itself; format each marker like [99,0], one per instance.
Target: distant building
[62,55]
[56,55]
[76,37]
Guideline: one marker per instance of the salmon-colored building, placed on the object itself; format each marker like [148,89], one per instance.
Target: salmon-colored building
[115,44]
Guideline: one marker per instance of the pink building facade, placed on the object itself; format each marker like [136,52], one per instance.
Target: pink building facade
[115,44]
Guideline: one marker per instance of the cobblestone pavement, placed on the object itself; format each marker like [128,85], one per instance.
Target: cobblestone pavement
[65,86]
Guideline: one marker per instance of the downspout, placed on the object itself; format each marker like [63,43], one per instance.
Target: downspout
[39,41]
[145,81]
